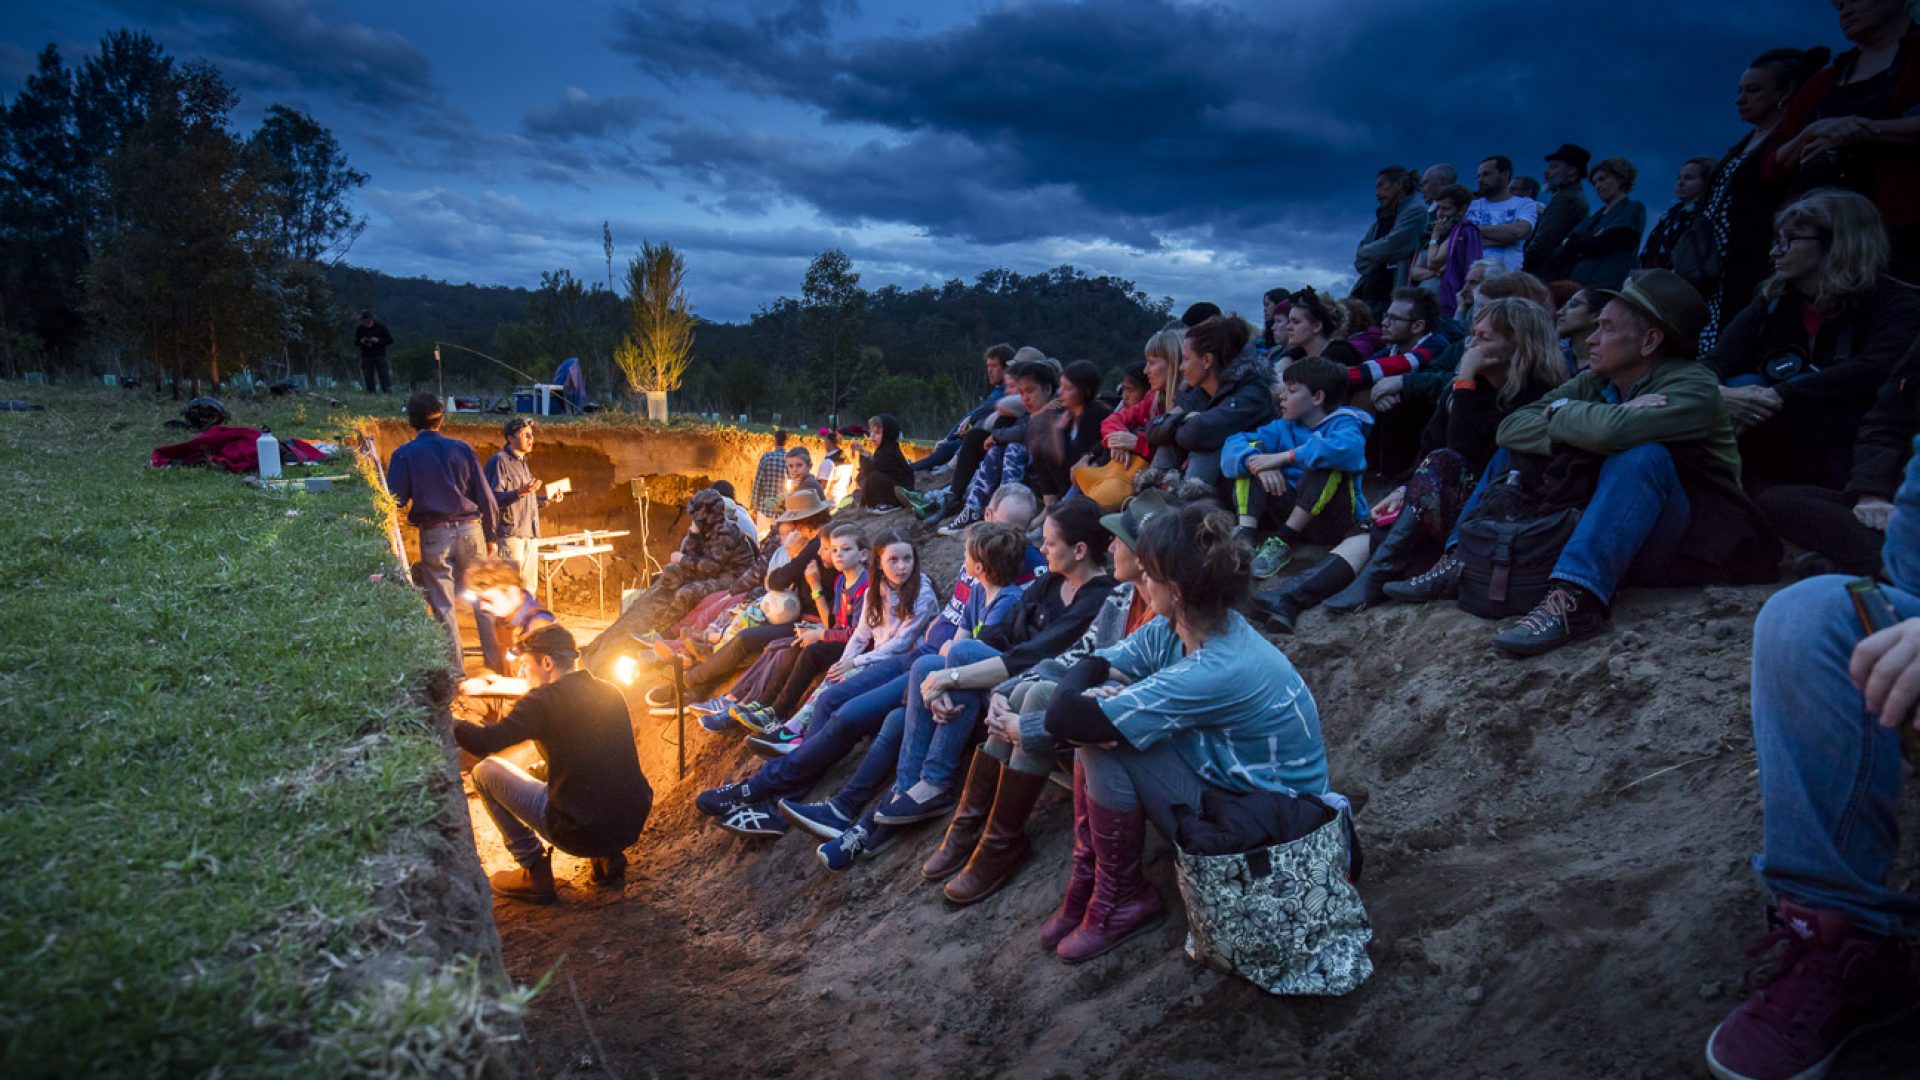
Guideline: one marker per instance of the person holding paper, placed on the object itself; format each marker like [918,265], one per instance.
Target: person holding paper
[520,497]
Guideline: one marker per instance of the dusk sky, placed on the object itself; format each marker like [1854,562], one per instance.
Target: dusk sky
[1202,150]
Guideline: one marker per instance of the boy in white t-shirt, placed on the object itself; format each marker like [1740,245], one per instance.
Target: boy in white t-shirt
[1505,220]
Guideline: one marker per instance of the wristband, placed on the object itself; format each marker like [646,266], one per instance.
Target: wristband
[1465,383]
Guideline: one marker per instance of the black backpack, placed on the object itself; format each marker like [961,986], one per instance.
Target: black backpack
[1507,550]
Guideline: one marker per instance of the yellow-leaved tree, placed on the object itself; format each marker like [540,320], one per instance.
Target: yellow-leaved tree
[659,347]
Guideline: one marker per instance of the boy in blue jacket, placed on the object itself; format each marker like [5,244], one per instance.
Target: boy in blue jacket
[1302,470]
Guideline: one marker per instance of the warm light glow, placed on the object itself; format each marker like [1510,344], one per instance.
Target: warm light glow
[625,670]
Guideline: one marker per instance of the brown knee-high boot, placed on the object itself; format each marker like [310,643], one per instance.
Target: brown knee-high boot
[969,817]
[1003,844]
[1073,906]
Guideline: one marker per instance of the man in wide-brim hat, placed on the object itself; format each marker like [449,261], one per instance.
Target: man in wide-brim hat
[1645,428]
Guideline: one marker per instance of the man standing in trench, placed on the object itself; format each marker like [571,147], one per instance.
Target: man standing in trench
[439,481]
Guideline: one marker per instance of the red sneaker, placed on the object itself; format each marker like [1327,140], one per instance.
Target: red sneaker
[1834,984]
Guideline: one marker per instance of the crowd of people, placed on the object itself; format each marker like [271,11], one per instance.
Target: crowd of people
[1530,400]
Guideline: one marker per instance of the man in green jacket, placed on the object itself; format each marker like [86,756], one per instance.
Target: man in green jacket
[1666,495]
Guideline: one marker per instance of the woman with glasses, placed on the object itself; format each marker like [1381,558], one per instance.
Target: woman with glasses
[1803,362]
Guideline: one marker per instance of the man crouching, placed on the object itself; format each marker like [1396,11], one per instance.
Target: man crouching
[595,800]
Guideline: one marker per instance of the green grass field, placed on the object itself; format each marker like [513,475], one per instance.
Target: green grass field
[215,768]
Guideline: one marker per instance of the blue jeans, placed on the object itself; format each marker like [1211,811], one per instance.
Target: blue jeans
[445,554]
[1829,773]
[943,452]
[518,805]
[1631,528]
[930,751]
[845,713]
[876,768]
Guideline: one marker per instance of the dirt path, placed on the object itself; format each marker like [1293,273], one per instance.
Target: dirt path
[1556,872]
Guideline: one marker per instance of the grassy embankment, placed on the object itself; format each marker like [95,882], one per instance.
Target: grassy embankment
[218,779]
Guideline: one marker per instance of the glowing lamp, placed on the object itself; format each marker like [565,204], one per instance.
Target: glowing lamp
[626,669]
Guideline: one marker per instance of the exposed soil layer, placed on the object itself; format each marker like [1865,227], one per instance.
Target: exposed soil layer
[1556,870]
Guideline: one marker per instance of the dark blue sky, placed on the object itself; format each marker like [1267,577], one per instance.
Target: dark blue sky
[1204,150]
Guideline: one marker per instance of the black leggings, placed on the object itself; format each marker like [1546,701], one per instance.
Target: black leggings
[813,662]
[1821,519]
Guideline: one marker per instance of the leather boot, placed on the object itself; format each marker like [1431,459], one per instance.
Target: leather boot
[969,817]
[1386,563]
[530,883]
[1283,606]
[1123,904]
[1003,844]
[1073,906]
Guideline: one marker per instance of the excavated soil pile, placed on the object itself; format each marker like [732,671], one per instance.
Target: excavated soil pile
[1556,867]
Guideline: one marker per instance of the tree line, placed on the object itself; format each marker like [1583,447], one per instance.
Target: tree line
[141,234]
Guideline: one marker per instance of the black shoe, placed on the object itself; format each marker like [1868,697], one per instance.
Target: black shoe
[1386,562]
[1282,607]
[1569,613]
[1440,583]
[608,869]
[1275,611]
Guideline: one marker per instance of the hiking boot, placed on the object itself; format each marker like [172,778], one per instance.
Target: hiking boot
[1123,904]
[901,808]
[776,743]
[756,819]
[1271,557]
[822,819]
[607,869]
[1280,609]
[1441,582]
[1073,906]
[1834,984]
[1003,845]
[969,817]
[755,717]
[1568,614]
[1387,561]
[534,883]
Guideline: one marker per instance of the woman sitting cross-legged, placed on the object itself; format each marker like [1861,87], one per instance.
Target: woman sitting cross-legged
[1195,699]
[900,605]
[947,695]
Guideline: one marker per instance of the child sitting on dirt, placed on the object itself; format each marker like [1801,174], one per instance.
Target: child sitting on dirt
[994,562]
[1303,469]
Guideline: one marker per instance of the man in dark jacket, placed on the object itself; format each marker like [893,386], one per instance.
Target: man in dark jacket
[373,338]
[440,482]
[595,800]
[1566,206]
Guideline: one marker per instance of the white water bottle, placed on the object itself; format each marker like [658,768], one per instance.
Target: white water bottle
[269,450]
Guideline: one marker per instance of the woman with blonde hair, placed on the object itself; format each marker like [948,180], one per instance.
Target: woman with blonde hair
[1801,365]
[1512,361]
[1124,431]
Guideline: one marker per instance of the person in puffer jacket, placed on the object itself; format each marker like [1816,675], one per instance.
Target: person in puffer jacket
[1223,398]
[1299,476]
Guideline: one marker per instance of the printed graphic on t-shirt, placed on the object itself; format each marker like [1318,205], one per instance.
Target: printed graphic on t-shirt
[1508,210]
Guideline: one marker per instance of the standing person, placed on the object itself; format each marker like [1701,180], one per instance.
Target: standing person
[1827,700]
[1382,256]
[595,799]
[518,496]
[1689,190]
[1566,168]
[1505,220]
[770,480]
[1602,248]
[440,482]
[1730,260]
[373,338]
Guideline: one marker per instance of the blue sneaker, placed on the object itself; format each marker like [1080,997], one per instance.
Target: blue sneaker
[722,800]
[715,721]
[864,838]
[902,809]
[776,743]
[714,705]
[757,819]
[755,717]
[822,819]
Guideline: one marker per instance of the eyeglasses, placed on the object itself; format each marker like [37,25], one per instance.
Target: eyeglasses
[1391,317]
[1785,241]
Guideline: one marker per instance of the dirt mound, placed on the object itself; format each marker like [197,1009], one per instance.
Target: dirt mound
[1556,869]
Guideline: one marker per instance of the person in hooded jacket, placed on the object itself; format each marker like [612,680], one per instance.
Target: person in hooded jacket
[886,468]
[1300,474]
[1229,390]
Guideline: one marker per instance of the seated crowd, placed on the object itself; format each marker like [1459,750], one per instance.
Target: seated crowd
[1526,405]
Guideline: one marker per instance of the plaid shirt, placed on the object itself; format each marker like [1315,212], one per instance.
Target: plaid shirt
[770,482]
